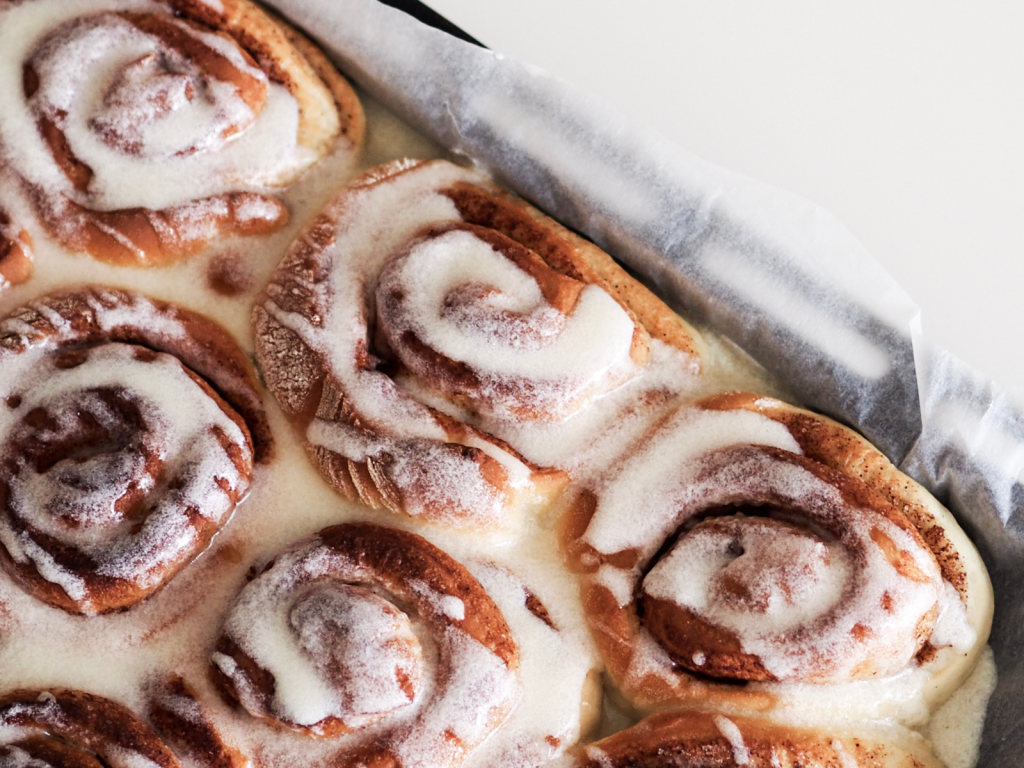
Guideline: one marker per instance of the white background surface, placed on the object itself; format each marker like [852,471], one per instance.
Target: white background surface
[905,120]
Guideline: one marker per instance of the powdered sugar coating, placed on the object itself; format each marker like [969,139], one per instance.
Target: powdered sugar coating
[539,348]
[558,703]
[285,503]
[76,502]
[141,130]
[62,727]
[99,40]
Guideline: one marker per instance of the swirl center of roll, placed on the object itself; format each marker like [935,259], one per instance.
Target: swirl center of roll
[140,84]
[92,464]
[486,323]
[362,644]
[753,566]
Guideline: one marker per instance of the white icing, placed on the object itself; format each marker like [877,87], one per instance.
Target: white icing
[728,728]
[453,608]
[115,655]
[784,599]
[301,623]
[952,627]
[526,355]
[650,479]
[555,663]
[955,728]
[371,224]
[804,597]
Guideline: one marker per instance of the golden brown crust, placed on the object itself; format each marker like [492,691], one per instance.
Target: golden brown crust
[328,107]
[303,383]
[629,630]
[81,726]
[349,108]
[692,739]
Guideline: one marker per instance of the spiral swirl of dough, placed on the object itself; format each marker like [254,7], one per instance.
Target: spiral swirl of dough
[365,626]
[122,449]
[757,558]
[143,129]
[484,321]
[397,369]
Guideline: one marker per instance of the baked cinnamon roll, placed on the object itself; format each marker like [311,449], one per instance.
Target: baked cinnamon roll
[687,739]
[749,541]
[364,629]
[71,729]
[128,432]
[424,311]
[142,129]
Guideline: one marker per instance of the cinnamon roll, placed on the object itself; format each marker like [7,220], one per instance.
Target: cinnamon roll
[687,739]
[422,312]
[128,431]
[15,252]
[71,729]
[368,630]
[749,541]
[141,129]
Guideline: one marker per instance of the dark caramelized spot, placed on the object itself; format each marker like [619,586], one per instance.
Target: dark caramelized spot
[927,653]
[536,607]
[887,603]
[70,358]
[29,80]
[228,275]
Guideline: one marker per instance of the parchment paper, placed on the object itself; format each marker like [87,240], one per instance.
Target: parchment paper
[778,275]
